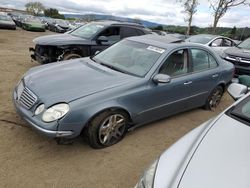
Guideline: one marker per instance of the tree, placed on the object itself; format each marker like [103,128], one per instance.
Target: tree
[53,13]
[233,32]
[220,7]
[190,8]
[34,8]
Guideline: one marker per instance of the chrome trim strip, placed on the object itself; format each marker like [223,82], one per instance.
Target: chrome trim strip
[171,102]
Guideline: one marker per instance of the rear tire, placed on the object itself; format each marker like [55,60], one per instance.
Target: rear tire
[214,98]
[106,129]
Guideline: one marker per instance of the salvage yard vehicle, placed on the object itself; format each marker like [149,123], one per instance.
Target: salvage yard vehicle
[33,24]
[240,57]
[135,81]
[218,43]
[6,22]
[58,25]
[83,41]
[215,154]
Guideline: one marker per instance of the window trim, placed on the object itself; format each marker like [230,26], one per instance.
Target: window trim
[191,61]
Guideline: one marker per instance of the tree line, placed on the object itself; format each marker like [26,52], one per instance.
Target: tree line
[219,9]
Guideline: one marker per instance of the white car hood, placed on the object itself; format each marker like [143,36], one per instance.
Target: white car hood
[222,159]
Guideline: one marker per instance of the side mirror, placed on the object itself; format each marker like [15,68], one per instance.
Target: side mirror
[97,52]
[161,78]
[236,90]
[102,39]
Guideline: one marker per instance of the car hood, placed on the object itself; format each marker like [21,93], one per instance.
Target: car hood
[222,158]
[71,80]
[5,22]
[34,24]
[63,26]
[235,51]
[60,39]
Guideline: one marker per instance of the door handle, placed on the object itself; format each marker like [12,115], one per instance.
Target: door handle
[188,82]
[215,75]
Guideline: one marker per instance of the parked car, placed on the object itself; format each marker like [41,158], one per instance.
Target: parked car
[240,57]
[214,154]
[133,82]
[6,22]
[83,41]
[18,18]
[58,26]
[218,43]
[33,24]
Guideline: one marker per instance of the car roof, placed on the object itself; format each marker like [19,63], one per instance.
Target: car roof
[157,40]
[166,42]
[110,22]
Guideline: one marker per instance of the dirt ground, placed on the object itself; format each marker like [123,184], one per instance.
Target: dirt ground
[30,160]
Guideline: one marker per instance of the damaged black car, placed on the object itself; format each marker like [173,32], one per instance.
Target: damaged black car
[83,41]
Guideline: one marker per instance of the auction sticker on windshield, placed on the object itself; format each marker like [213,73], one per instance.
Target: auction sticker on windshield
[156,49]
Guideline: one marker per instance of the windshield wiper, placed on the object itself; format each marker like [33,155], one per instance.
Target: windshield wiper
[112,67]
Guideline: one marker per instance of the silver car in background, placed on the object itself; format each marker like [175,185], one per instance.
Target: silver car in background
[216,42]
[216,154]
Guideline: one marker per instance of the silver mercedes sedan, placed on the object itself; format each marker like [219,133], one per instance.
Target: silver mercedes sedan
[214,155]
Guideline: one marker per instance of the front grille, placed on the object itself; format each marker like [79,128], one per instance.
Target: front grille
[26,97]
[242,61]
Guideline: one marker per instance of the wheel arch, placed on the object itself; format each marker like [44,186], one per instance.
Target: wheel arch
[114,108]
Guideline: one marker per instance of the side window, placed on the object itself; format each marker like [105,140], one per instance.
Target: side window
[227,43]
[200,59]
[129,32]
[176,64]
[112,33]
[217,42]
[212,61]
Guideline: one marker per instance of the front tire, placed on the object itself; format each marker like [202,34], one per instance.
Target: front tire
[106,129]
[71,56]
[214,98]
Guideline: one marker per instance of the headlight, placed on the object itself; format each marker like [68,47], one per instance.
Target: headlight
[55,112]
[39,109]
[147,180]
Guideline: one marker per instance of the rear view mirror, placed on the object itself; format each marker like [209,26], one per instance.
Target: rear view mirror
[236,90]
[161,78]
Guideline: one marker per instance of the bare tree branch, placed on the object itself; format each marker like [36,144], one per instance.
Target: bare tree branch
[220,7]
[190,8]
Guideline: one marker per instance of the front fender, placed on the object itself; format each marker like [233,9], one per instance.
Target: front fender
[80,114]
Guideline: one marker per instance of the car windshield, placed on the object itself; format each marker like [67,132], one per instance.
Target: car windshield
[32,20]
[202,39]
[242,110]
[245,44]
[5,18]
[87,31]
[130,57]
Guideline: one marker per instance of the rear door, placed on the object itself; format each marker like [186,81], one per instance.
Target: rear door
[205,75]
[127,31]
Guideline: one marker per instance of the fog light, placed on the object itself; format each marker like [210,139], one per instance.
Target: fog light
[39,109]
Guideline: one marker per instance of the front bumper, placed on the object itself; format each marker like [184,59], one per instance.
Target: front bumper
[38,125]
[241,68]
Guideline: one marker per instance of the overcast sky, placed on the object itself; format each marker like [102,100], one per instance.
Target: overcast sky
[167,12]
